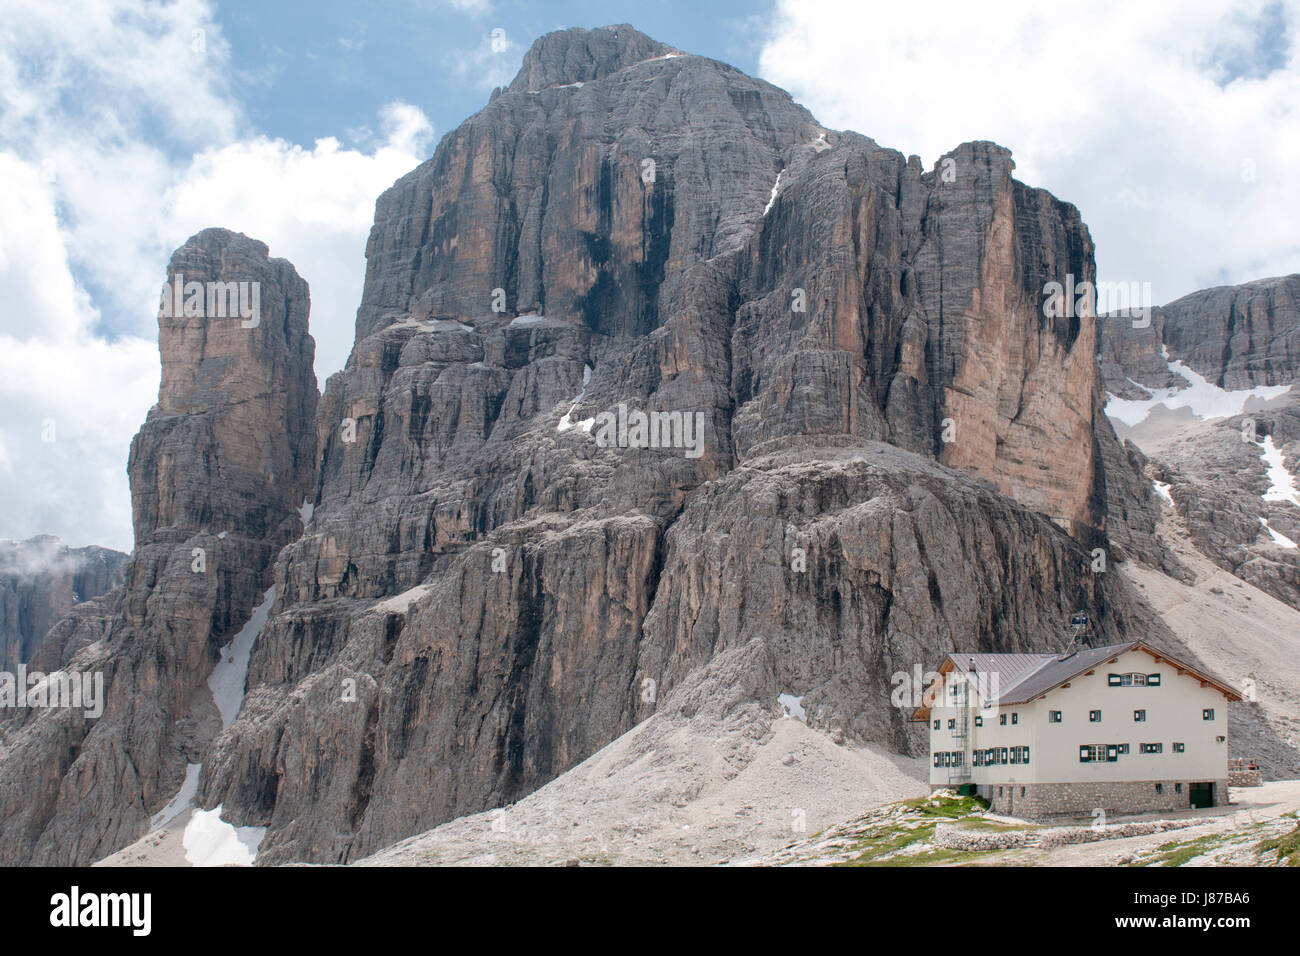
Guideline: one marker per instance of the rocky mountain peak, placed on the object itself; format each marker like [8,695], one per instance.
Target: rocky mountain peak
[580,56]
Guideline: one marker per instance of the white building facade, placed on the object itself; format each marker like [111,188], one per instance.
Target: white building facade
[1123,729]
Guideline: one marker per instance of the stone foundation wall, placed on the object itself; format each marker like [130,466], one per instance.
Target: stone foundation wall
[1039,801]
[1245,778]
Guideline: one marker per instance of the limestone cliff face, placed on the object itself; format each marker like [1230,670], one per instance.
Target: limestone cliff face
[487,592]
[217,473]
[1238,337]
[41,579]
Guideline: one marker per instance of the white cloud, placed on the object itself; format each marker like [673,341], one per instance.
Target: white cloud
[494,62]
[122,139]
[313,207]
[1124,109]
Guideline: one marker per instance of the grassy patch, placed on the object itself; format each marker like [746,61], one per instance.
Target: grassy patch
[1287,847]
[887,840]
[937,856]
[943,805]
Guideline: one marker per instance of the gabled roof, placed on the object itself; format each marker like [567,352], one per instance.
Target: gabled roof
[1022,678]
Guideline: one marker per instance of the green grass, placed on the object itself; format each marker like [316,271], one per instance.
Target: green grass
[946,806]
[1287,847]
[1176,854]
[885,841]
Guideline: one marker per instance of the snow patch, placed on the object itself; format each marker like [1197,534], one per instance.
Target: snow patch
[775,187]
[1205,399]
[227,679]
[529,319]
[183,799]
[1162,489]
[306,511]
[1281,483]
[1278,537]
[210,841]
[565,423]
[793,707]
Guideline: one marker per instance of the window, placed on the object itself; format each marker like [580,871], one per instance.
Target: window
[1139,715]
[1112,753]
[1133,680]
[1094,716]
[1178,748]
[1015,755]
[1024,756]
[1015,718]
[999,791]
[1002,719]
[979,721]
[958,758]
[1089,752]
[1002,755]
[1022,791]
[1096,753]
[977,758]
[952,722]
[1122,748]
[1207,713]
[936,725]
[1178,788]
[1160,788]
[938,760]
[1053,716]
[1151,748]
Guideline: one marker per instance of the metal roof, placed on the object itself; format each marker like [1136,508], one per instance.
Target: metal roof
[1024,677]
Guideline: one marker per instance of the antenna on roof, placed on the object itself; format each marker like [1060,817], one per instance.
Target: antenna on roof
[1078,621]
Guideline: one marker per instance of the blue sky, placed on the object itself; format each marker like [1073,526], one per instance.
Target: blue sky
[306,70]
[128,125]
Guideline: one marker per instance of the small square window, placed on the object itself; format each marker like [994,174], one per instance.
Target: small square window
[1178,788]
[979,721]
[1053,716]
[1122,748]
[1160,788]
[1094,716]
[1015,718]
[1139,715]
[1024,755]
[1153,680]
[952,722]
[1178,748]
[936,725]
[1002,719]
[1207,713]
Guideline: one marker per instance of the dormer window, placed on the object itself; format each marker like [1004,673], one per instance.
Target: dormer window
[1133,680]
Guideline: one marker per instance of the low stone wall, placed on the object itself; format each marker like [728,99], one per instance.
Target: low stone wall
[955,837]
[1043,801]
[1245,778]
